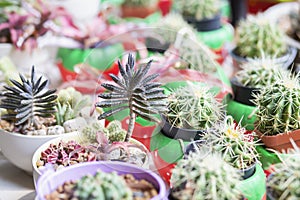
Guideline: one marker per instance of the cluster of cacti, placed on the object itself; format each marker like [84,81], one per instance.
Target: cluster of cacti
[27,101]
[204,177]
[193,106]
[204,9]
[113,131]
[278,105]
[108,186]
[256,33]
[65,154]
[69,104]
[259,73]
[140,2]
[284,182]
[237,146]
[134,90]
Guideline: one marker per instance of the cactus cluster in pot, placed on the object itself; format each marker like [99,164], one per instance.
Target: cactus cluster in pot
[257,33]
[204,9]
[193,107]
[202,176]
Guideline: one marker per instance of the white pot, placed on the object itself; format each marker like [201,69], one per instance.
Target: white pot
[19,149]
[5,49]
[37,154]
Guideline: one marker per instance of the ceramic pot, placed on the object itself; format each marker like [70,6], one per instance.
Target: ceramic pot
[205,24]
[137,11]
[280,142]
[50,180]
[19,149]
[5,49]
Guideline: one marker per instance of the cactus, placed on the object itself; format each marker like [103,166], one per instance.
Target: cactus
[259,73]
[204,9]
[69,104]
[237,146]
[284,182]
[193,106]
[27,101]
[210,177]
[108,186]
[278,105]
[256,34]
[134,91]
[143,3]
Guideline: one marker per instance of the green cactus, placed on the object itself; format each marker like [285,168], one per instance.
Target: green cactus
[259,73]
[237,146]
[116,132]
[204,9]
[256,34]
[284,182]
[210,178]
[193,106]
[278,105]
[69,104]
[108,186]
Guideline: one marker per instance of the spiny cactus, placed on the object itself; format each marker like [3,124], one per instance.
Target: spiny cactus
[108,186]
[259,73]
[284,182]
[140,2]
[198,177]
[237,146]
[204,9]
[27,100]
[193,106]
[69,104]
[134,91]
[256,34]
[278,105]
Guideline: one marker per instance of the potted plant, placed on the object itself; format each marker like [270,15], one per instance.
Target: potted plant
[138,8]
[275,127]
[27,118]
[201,176]
[255,34]
[109,180]
[255,75]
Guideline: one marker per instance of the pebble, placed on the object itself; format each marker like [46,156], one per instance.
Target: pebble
[75,124]
[55,130]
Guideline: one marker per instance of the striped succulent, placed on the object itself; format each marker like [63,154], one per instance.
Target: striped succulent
[134,91]
[26,100]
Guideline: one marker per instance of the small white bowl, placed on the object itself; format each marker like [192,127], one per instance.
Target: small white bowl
[19,149]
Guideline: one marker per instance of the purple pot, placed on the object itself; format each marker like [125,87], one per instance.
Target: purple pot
[50,180]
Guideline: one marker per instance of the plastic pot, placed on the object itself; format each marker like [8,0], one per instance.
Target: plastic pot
[50,180]
[205,24]
[137,11]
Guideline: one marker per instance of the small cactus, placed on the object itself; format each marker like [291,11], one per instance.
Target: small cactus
[256,34]
[210,177]
[108,186]
[140,2]
[193,106]
[204,9]
[278,105]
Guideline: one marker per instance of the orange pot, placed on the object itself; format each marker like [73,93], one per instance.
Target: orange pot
[137,11]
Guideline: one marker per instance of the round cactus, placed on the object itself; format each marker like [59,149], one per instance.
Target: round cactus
[199,177]
[258,73]
[108,186]
[278,105]
[256,34]
[193,106]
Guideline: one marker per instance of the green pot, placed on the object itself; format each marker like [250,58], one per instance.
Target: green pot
[267,158]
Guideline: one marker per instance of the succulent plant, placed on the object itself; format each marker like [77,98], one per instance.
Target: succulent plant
[27,100]
[284,182]
[134,91]
[204,177]
[236,145]
[140,2]
[204,9]
[108,186]
[259,73]
[256,34]
[193,106]
[278,105]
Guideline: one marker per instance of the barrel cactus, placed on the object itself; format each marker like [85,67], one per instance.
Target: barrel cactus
[259,73]
[193,106]
[256,33]
[278,105]
[237,146]
[108,186]
[204,177]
